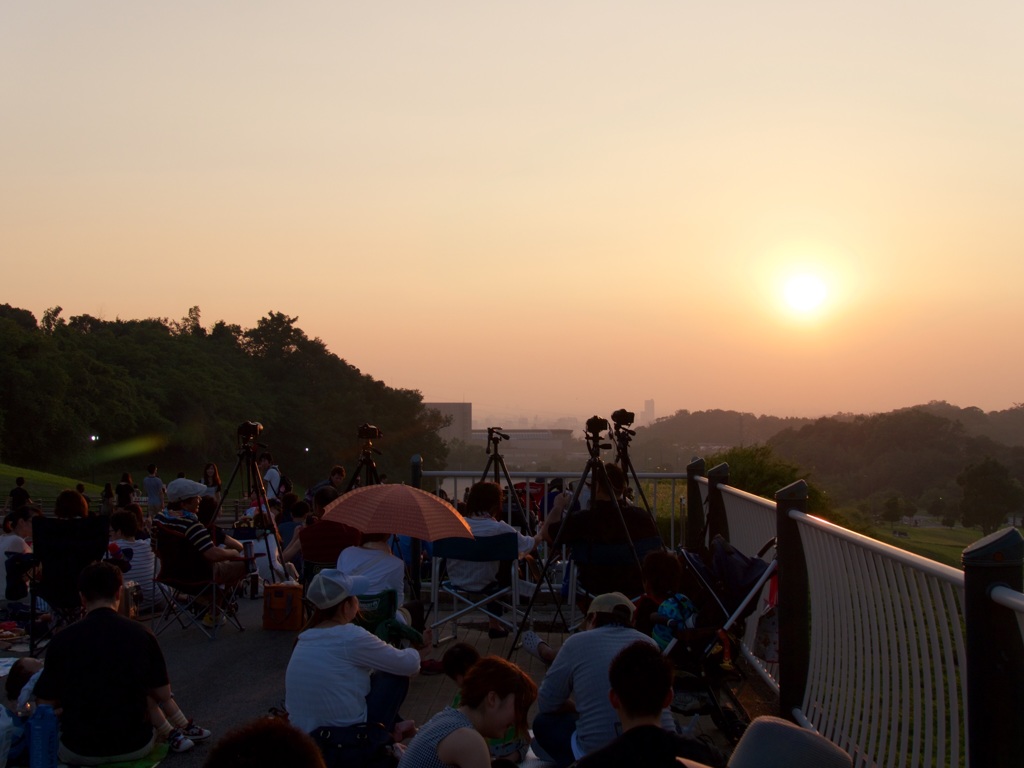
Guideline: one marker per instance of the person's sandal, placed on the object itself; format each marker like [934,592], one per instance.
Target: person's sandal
[531,644]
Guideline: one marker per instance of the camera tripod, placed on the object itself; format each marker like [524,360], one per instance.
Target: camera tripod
[623,436]
[596,471]
[367,465]
[496,464]
[247,434]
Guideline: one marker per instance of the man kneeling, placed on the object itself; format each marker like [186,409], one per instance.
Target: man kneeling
[108,675]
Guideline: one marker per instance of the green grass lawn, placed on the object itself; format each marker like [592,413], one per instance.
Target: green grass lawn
[942,544]
[42,485]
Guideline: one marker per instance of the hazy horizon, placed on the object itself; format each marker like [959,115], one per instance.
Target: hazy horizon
[791,209]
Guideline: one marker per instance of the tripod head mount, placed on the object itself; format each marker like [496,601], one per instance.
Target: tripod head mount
[495,436]
[592,434]
[247,433]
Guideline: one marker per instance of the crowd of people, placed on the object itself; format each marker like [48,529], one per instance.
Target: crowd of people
[603,700]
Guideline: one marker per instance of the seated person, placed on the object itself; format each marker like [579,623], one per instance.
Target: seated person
[123,526]
[641,688]
[17,529]
[107,674]
[456,662]
[662,574]
[373,560]
[495,695]
[183,499]
[341,678]
[483,505]
[574,716]
[19,687]
[601,524]
[323,542]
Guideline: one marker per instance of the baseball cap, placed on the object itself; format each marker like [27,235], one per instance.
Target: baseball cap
[331,586]
[182,488]
[612,602]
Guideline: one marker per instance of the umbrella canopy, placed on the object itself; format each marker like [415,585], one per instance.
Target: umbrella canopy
[398,509]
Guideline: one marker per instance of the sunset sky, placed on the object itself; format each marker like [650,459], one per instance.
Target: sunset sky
[551,208]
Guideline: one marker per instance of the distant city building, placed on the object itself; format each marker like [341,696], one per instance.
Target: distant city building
[461,415]
[648,416]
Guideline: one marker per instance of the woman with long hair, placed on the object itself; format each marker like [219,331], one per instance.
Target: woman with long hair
[125,491]
[107,499]
[211,479]
[496,694]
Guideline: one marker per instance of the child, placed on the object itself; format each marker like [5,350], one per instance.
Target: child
[662,574]
[20,682]
[124,526]
[456,662]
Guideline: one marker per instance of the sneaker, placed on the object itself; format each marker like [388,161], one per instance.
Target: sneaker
[194,732]
[179,742]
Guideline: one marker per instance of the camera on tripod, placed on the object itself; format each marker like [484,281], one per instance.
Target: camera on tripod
[596,424]
[369,432]
[623,418]
[248,432]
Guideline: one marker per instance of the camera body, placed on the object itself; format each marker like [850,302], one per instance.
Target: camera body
[248,432]
[623,418]
[596,424]
[369,432]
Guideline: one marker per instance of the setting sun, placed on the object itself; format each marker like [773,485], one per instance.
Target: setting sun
[805,293]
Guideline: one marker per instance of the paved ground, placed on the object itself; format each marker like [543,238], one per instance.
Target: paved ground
[239,676]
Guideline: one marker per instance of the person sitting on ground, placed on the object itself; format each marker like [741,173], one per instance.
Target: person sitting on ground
[662,574]
[482,508]
[456,662]
[123,526]
[641,689]
[574,716]
[108,675]
[183,499]
[21,680]
[601,524]
[267,742]
[495,695]
[321,544]
[342,681]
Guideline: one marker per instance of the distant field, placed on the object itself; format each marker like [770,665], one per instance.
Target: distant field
[942,544]
[41,485]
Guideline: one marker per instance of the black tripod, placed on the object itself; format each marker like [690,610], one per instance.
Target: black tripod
[367,433]
[595,470]
[623,436]
[247,434]
[496,465]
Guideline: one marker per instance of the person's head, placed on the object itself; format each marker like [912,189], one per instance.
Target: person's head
[288,500]
[151,469]
[123,524]
[337,476]
[616,478]
[335,595]
[184,495]
[207,510]
[211,476]
[70,504]
[126,477]
[100,584]
[610,608]
[484,497]
[19,675]
[80,487]
[267,742]
[19,522]
[458,659]
[322,498]
[662,573]
[265,461]
[299,511]
[499,691]
[19,481]
[641,680]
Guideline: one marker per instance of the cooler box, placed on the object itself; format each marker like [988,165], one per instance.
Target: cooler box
[282,607]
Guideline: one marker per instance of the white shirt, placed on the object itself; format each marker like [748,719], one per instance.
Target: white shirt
[473,576]
[384,570]
[9,542]
[328,675]
[272,481]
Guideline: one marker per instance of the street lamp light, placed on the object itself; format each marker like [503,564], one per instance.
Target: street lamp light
[94,439]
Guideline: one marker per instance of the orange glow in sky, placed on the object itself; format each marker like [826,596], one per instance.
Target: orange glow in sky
[541,208]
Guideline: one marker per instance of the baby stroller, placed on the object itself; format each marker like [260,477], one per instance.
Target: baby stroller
[722,585]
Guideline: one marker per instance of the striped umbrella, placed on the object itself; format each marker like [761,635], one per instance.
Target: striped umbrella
[399,509]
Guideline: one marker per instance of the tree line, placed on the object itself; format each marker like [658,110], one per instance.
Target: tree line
[174,392]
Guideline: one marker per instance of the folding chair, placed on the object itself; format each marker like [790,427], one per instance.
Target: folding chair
[504,546]
[63,548]
[192,593]
[377,615]
[607,556]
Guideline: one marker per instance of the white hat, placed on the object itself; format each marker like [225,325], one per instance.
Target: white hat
[331,586]
[182,488]
[614,603]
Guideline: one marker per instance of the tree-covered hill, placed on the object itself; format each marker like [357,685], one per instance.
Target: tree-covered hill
[174,392]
